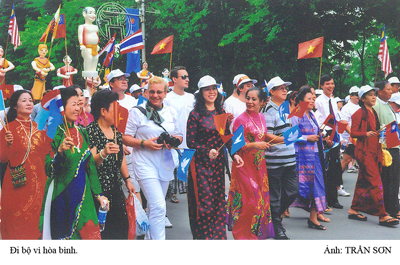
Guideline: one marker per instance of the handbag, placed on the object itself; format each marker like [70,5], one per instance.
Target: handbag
[130,210]
[142,221]
[386,158]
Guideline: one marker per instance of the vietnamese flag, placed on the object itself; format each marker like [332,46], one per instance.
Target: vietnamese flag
[120,117]
[311,49]
[299,110]
[220,123]
[7,90]
[164,46]
[329,121]
[226,138]
[341,127]
[392,135]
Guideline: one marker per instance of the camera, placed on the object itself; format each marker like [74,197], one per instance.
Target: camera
[172,141]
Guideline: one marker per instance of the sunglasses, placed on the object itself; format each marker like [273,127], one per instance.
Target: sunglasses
[183,77]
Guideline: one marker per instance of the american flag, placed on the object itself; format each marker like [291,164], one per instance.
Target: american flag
[13,30]
[383,55]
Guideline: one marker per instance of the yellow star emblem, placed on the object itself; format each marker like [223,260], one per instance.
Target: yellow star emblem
[162,46]
[221,131]
[7,91]
[310,50]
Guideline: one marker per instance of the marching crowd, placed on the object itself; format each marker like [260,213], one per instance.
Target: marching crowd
[52,188]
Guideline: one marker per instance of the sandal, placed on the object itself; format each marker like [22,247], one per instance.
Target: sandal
[322,218]
[328,209]
[357,216]
[389,222]
[174,199]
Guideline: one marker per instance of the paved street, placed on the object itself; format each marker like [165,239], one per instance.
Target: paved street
[340,227]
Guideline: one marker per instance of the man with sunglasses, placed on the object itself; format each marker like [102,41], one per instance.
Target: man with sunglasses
[280,159]
[348,156]
[183,103]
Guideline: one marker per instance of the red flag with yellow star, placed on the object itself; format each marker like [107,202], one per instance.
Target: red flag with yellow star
[164,46]
[8,90]
[120,117]
[311,49]
[299,110]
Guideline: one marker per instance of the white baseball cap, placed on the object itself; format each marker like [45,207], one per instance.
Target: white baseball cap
[241,79]
[365,89]
[347,98]
[276,81]
[338,99]
[395,98]
[116,73]
[134,88]
[394,80]
[206,81]
[354,89]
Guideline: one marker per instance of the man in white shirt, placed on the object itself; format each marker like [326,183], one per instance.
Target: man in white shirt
[237,105]
[347,111]
[183,103]
[323,104]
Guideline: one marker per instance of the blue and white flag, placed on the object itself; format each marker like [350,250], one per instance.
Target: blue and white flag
[184,162]
[238,140]
[284,109]
[52,118]
[2,106]
[141,100]
[292,135]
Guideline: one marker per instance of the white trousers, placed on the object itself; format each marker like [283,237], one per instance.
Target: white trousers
[155,191]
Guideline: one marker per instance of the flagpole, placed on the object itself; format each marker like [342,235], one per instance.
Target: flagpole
[68,133]
[170,63]
[277,143]
[320,68]
[275,138]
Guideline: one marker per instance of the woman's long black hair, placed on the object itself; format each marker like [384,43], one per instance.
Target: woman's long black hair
[200,104]
[12,112]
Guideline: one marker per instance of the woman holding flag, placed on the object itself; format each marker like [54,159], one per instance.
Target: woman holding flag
[24,149]
[249,213]
[206,183]
[69,211]
[368,193]
[310,163]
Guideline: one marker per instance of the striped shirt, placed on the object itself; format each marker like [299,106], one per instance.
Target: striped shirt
[279,155]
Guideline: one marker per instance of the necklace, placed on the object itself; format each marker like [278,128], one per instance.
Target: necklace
[77,136]
[260,132]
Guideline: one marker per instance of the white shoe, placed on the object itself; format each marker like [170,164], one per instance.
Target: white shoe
[342,192]
[167,222]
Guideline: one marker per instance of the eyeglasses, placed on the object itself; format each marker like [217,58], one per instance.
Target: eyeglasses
[280,88]
[121,78]
[158,92]
[183,77]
